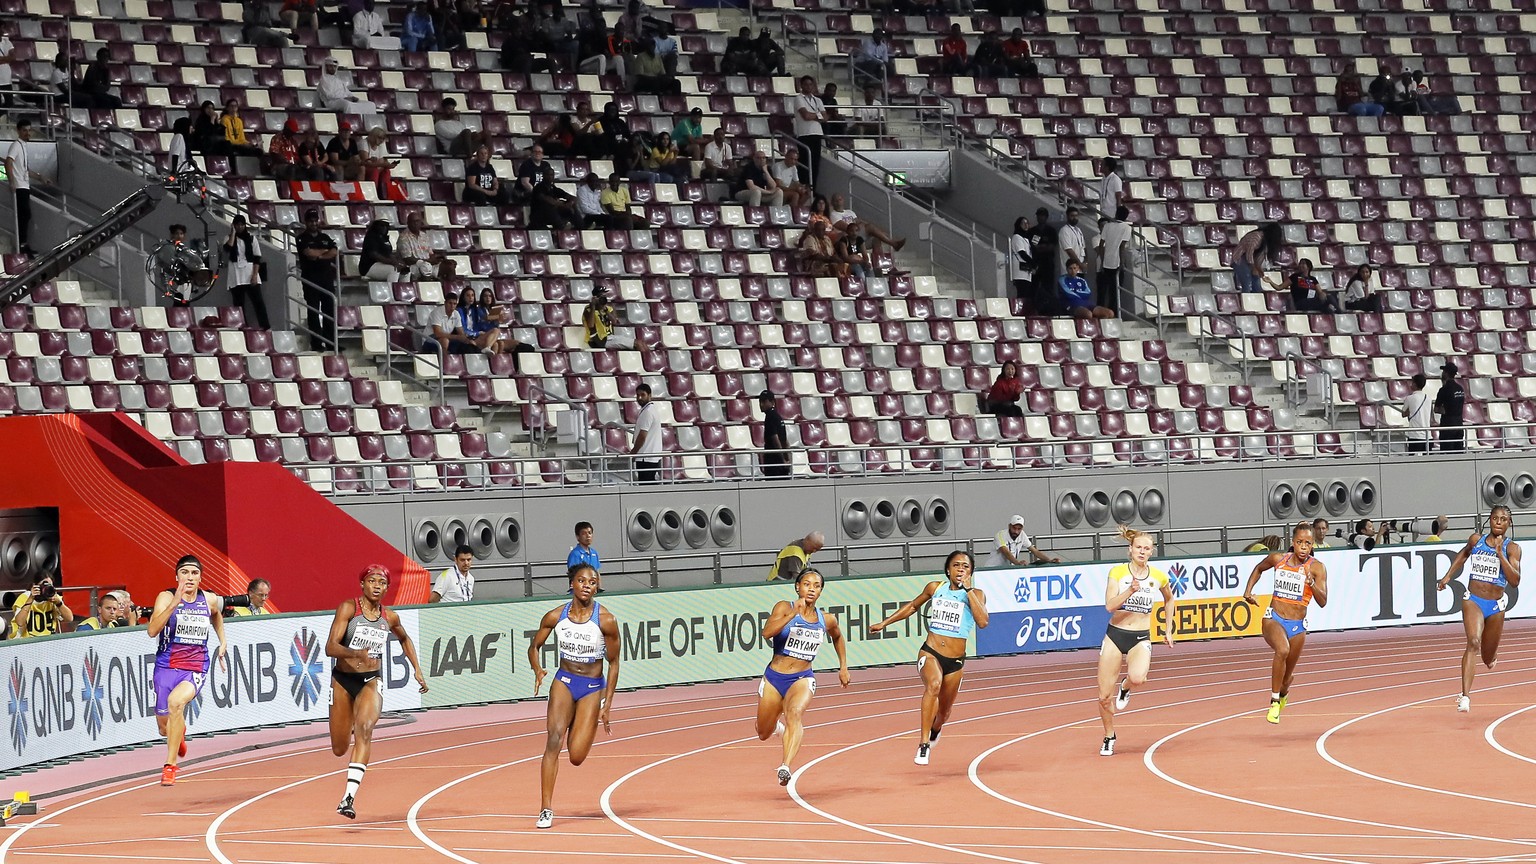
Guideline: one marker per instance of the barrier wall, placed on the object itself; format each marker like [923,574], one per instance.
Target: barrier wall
[84,692]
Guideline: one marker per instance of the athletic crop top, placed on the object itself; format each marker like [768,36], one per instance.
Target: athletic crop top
[364,633]
[1150,592]
[184,641]
[1291,580]
[581,643]
[1483,563]
[949,612]
[801,639]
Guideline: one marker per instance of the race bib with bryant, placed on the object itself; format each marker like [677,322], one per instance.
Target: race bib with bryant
[191,629]
[803,642]
[946,613]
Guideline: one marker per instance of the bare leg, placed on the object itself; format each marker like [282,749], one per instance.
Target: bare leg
[1297,643]
[1109,669]
[1472,623]
[583,728]
[947,694]
[365,715]
[176,721]
[798,700]
[933,681]
[561,711]
[1274,635]
[1493,631]
[341,719]
[769,706]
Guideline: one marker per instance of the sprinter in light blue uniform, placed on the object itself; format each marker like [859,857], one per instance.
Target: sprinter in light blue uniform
[797,631]
[1493,564]
[955,610]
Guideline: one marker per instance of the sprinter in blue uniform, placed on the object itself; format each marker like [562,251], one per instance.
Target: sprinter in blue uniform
[1493,564]
[797,631]
[955,609]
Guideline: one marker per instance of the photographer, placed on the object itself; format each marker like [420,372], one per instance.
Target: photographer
[40,612]
[110,612]
[252,602]
[601,323]
[1367,534]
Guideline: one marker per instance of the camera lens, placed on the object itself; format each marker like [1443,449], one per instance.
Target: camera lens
[46,590]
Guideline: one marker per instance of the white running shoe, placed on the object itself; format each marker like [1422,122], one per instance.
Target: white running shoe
[1463,704]
[546,819]
[1123,698]
[778,729]
[922,754]
[1108,747]
[784,775]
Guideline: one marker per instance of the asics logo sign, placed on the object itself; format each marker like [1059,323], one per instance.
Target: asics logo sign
[1049,628]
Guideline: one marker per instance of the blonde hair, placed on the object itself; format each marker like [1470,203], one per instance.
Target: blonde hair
[1131,535]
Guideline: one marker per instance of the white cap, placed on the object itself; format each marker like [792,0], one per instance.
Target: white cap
[1016,520]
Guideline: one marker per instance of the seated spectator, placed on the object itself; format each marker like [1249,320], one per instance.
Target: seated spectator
[585,122]
[665,45]
[109,613]
[756,182]
[557,34]
[614,140]
[599,49]
[378,261]
[589,203]
[208,131]
[740,57]
[770,56]
[258,28]
[40,612]
[1010,545]
[418,33]
[550,206]
[453,137]
[300,13]
[481,185]
[345,154]
[662,162]
[314,160]
[846,221]
[476,322]
[688,134]
[1017,56]
[631,25]
[528,175]
[719,158]
[1350,96]
[872,60]
[869,118]
[1358,294]
[252,602]
[649,75]
[787,175]
[1077,296]
[368,27]
[450,27]
[1003,399]
[1306,295]
[818,254]
[96,83]
[989,60]
[560,138]
[601,323]
[179,153]
[517,41]
[821,212]
[954,55]
[848,252]
[373,156]
[443,329]
[283,154]
[416,252]
[333,94]
[616,205]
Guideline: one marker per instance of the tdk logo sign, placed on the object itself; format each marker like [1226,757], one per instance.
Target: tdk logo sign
[1047,587]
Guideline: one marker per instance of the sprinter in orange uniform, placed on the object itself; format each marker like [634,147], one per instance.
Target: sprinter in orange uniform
[1299,579]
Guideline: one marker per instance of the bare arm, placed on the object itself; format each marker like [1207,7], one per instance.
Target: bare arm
[1169,604]
[333,645]
[783,612]
[1269,561]
[1115,599]
[1319,582]
[407,646]
[977,599]
[835,630]
[165,603]
[1457,563]
[216,618]
[1510,565]
[908,609]
[610,628]
[546,627]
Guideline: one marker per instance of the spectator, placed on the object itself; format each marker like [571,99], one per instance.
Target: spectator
[344,154]
[1358,296]
[453,137]
[1003,399]
[1450,403]
[775,443]
[817,253]
[787,175]
[490,314]
[1258,248]
[252,602]
[796,556]
[869,118]
[109,613]
[1021,262]
[719,158]
[528,175]
[443,329]
[476,322]
[740,57]
[631,25]
[333,94]
[550,206]
[517,43]
[845,220]
[872,60]
[450,29]
[182,266]
[61,77]
[1267,543]
[989,60]
[559,36]
[559,139]
[368,29]
[1368,535]
[809,114]
[19,171]
[1319,533]
[1017,56]
[373,156]
[282,153]
[421,260]
[1071,244]
[481,185]
[1306,296]
[208,131]
[582,554]
[662,162]
[456,584]
[318,268]
[314,161]
[954,55]
[589,203]
[597,48]
[600,320]
[688,134]
[1416,414]
[40,612]
[179,153]
[1114,251]
[1350,96]
[418,33]
[849,256]
[614,140]
[647,447]
[378,262]
[300,13]
[258,28]
[770,57]
[96,83]
[585,122]
[616,204]
[648,74]
[1078,297]
[756,182]
[247,271]
[1111,187]
[1043,245]
[131,613]
[834,124]
[1011,544]
[665,47]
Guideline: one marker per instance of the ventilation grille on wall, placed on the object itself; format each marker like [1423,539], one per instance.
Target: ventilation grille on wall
[667,529]
[886,517]
[487,536]
[1101,507]
[1309,499]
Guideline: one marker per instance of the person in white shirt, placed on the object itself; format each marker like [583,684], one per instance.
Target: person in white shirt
[809,114]
[1114,250]
[1071,245]
[18,169]
[7,80]
[1416,411]
[1011,544]
[368,30]
[443,329]
[456,584]
[589,202]
[647,447]
[719,158]
[869,118]
[846,221]
[1021,260]
[333,94]
[1111,188]
[787,173]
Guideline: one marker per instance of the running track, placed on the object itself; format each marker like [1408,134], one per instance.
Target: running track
[1371,765]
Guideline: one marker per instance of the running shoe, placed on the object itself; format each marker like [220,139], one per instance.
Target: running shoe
[933,736]
[546,818]
[778,729]
[1108,747]
[1123,698]
[1274,710]
[1463,704]
[346,809]
[922,754]
[168,775]
[783,775]
[1284,701]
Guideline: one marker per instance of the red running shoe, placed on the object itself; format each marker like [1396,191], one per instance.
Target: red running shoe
[168,775]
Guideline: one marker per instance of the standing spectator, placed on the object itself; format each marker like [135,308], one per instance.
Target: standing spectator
[1450,403]
[1011,544]
[317,267]
[1114,251]
[770,57]
[333,94]
[872,60]
[300,13]
[344,153]
[182,266]
[1258,248]
[551,206]
[775,443]
[719,159]
[443,329]
[421,260]
[373,157]
[314,161]
[1018,56]
[18,169]
[589,203]
[252,602]
[1021,261]
[582,554]
[1416,413]
[481,185]
[809,114]
[1306,295]
[1003,399]
[834,124]
[1042,239]
[453,137]
[1111,187]
[740,56]
[246,270]
[954,55]
[418,33]
[40,612]
[1078,297]
[282,153]
[1349,94]
[787,175]
[616,204]
[796,556]
[456,584]
[756,182]
[1358,296]
[367,27]
[96,83]
[378,262]
[647,447]
[1071,244]
[109,613]
[688,134]
[258,27]
[869,118]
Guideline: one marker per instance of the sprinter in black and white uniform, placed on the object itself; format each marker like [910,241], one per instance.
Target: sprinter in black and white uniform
[358,635]
[797,631]
[586,634]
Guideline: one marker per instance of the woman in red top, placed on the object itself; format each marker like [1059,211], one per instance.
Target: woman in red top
[1003,398]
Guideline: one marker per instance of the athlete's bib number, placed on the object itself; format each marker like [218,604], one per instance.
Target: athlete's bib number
[946,614]
[371,639]
[191,629]
[579,643]
[1485,568]
[1141,601]
[1289,585]
[803,642]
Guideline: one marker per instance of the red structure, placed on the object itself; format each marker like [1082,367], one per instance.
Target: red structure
[129,507]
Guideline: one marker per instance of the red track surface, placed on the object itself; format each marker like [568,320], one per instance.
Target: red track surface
[1371,765]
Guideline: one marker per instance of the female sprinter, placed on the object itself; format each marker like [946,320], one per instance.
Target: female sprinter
[796,630]
[955,610]
[181,621]
[586,634]
[1132,589]
[1493,563]
[1299,578]
[358,633]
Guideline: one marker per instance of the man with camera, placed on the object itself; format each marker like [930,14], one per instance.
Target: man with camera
[110,612]
[601,323]
[252,602]
[40,612]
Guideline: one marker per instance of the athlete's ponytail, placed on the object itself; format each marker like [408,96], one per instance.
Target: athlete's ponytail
[1131,535]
